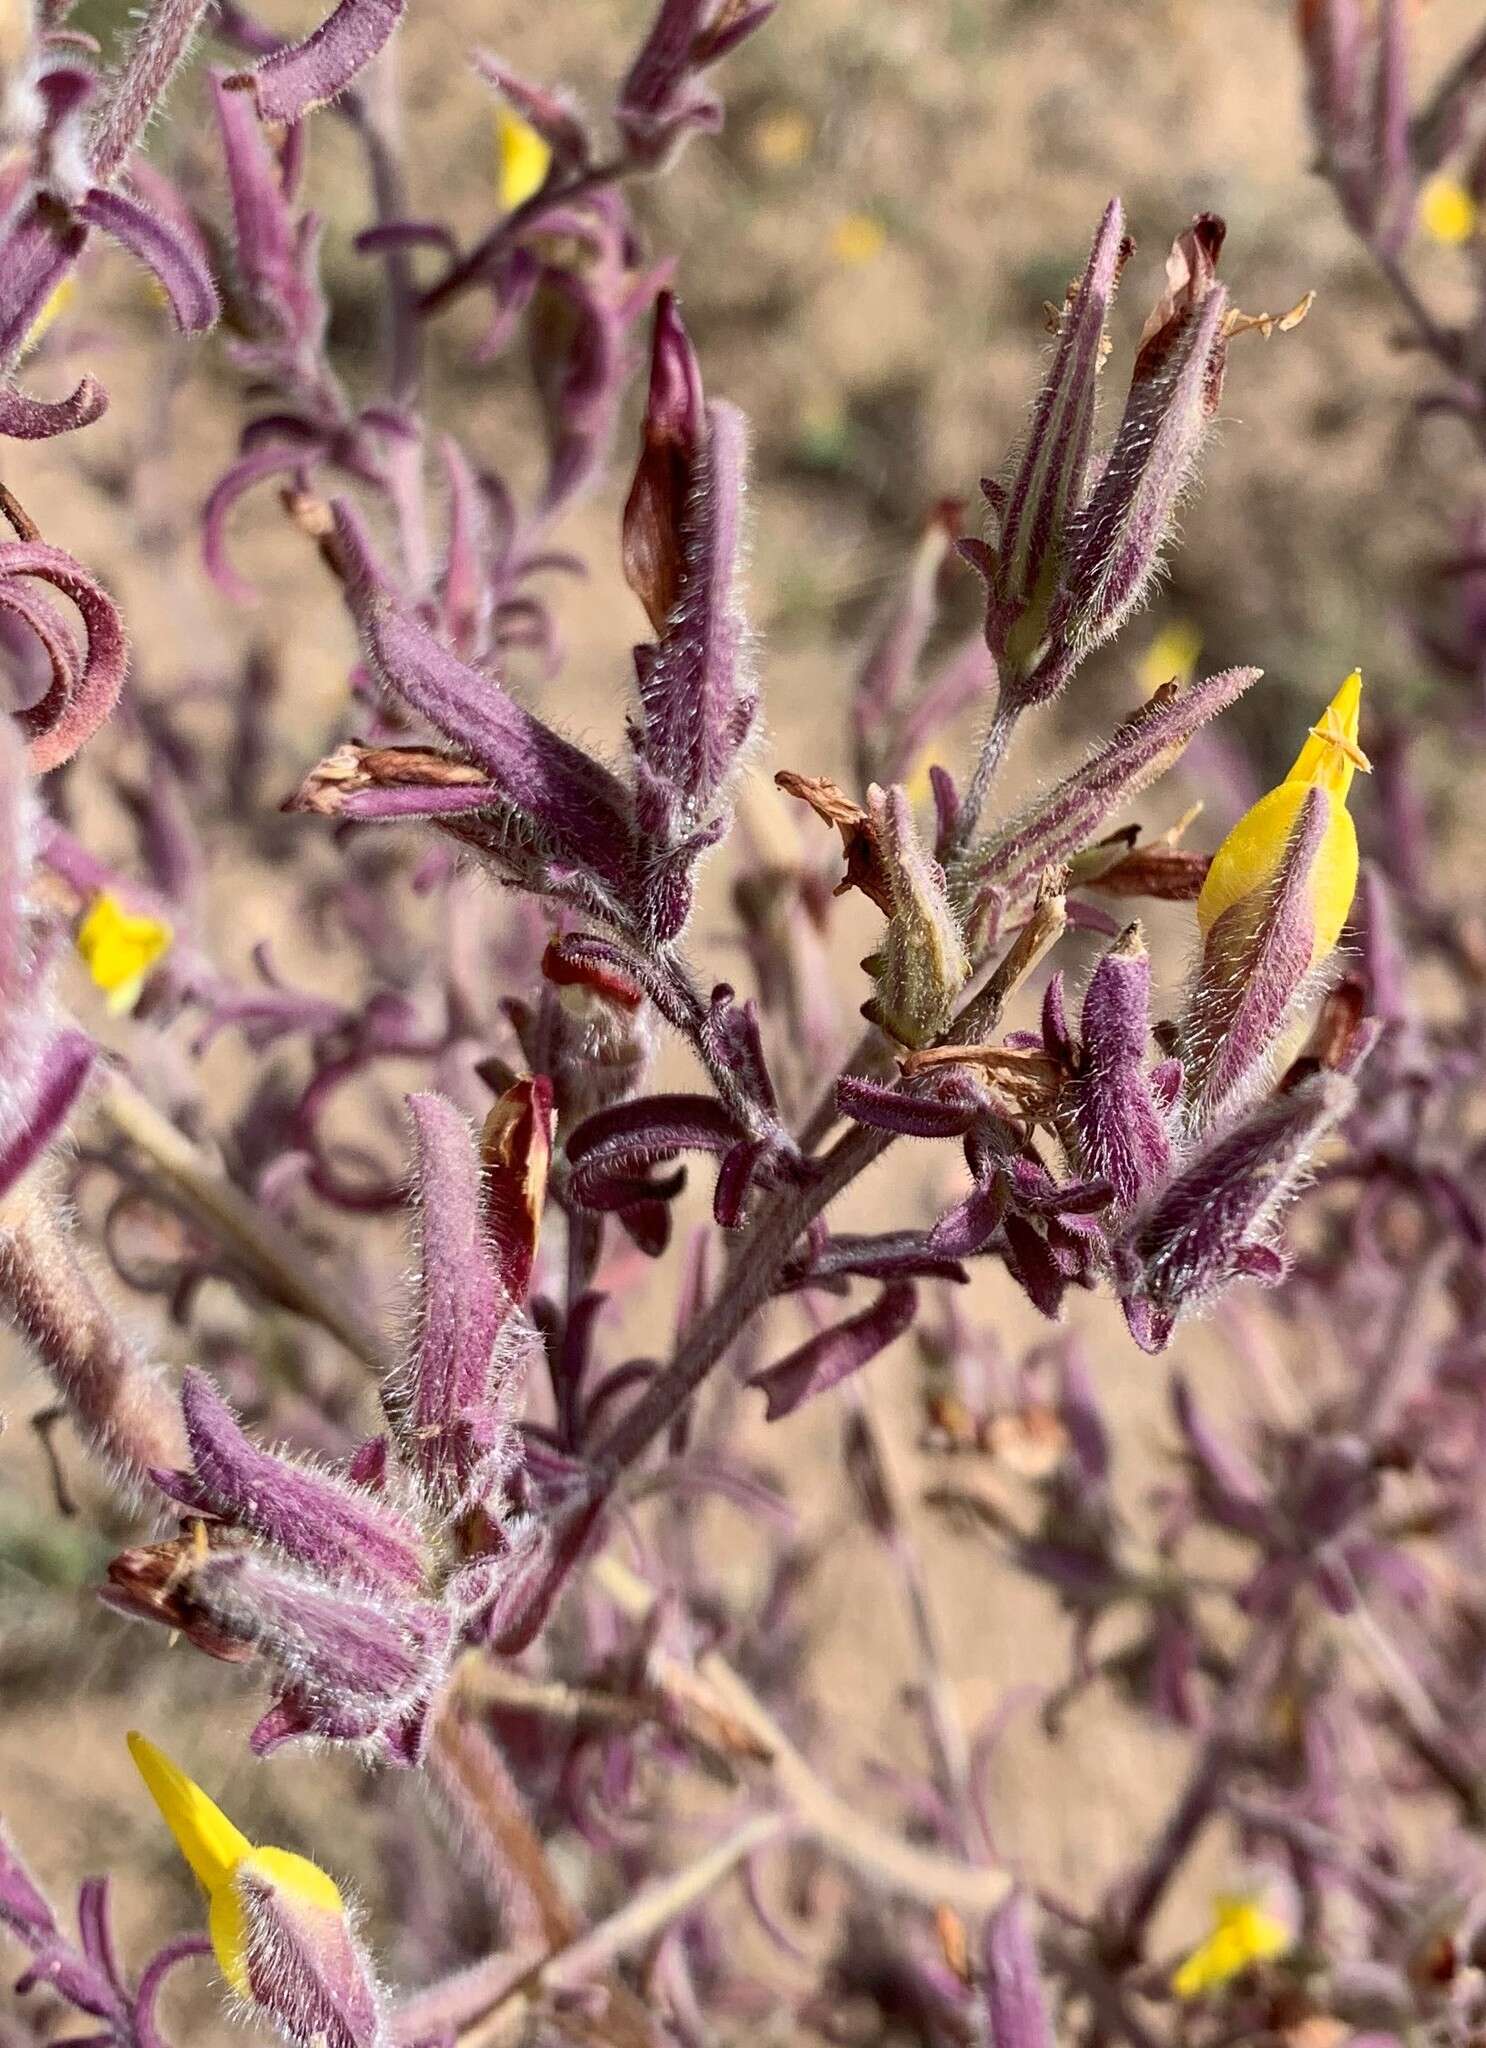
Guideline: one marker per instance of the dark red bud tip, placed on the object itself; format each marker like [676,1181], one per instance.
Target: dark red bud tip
[596,976]
[673,407]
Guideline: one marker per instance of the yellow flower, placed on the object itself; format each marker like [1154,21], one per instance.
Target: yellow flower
[1447,211]
[119,948]
[1249,859]
[781,138]
[525,157]
[223,1860]
[918,782]
[58,300]
[857,239]
[1244,1932]
[1171,656]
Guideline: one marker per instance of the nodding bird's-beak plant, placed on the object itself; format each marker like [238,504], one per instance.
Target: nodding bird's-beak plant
[497,1582]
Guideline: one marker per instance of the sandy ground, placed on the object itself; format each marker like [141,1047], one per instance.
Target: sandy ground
[882,371]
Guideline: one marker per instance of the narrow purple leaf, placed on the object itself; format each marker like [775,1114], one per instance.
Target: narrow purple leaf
[610,1152]
[826,1359]
[1064,821]
[914,1115]
[293,81]
[24,418]
[63,1067]
[563,795]
[35,255]
[163,250]
[314,1517]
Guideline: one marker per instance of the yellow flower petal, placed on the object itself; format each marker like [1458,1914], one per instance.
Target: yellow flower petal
[204,1835]
[1171,656]
[857,239]
[1447,211]
[525,157]
[1244,1933]
[1331,754]
[227,1930]
[119,948]
[781,138]
[57,302]
[1249,859]
[224,1862]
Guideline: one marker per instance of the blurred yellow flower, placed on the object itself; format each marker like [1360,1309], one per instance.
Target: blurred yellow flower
[1447,211]
[857,239]
[59,299]
[1250,857]
[524,159]
[1244,1932]
[118,948]
[918,782]
[1171,656]
[222,1859]
[780,138]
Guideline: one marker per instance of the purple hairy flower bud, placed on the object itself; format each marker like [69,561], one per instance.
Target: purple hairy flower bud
[1216,1221]
[553,817]
[302,76]
[279,1926]
[1008,867]
[577,334]
[278,291]
[1025,568]
[1393,202]
[121,1406]
[354,1666]
[1331,34]
[454,1410]
[1256,964]
[663,97]
[921,965]
[1118,1121]
[1115,547]
[306,1971]
[681,545]
[316,1518]
[671,444]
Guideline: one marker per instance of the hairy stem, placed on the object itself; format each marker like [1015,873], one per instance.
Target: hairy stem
[759,1260]
[992,753]
[760,1255]
[159,46]
[116,1398]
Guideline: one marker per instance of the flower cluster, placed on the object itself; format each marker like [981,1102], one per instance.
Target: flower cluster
[472,1540]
